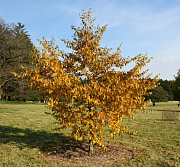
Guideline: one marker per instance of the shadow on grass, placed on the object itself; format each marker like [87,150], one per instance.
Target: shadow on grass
[45,141]
[21,103]
[59,147]
[168,110]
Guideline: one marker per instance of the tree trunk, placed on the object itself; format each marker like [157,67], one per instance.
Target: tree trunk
[1,92]
[72,100]
[90,141]
[91,150]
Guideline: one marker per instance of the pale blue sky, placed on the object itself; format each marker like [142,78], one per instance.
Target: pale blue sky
[143,26]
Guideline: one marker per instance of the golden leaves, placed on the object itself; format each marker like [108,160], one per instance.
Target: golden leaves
[106,98]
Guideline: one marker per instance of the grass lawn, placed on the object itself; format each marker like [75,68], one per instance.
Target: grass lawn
[27,135]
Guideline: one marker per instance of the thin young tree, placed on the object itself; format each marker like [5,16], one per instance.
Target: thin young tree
[110,94]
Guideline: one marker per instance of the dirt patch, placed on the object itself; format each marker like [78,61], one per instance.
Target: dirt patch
[77,155]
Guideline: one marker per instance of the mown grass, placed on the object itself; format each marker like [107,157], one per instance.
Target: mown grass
[26,133]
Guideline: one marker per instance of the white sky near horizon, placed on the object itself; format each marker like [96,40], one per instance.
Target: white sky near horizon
[143,26]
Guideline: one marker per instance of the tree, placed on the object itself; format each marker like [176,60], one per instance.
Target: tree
[167,86]
[15,47]
[106,98]
[176,87]
[159,95]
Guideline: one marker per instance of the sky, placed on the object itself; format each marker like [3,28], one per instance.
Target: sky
[141,26]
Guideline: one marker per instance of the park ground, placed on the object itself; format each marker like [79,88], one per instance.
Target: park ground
[28,138]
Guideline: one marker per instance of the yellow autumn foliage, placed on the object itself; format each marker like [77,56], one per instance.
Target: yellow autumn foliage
[108,97]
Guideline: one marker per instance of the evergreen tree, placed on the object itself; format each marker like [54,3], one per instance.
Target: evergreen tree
[15,48]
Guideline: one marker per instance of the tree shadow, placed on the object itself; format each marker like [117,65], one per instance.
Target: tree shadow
[60,147]
[43,140]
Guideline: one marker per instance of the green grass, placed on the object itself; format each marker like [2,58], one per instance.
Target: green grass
[160,139]
[26,133]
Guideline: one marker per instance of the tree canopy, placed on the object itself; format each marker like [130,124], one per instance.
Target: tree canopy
[168,87]
[15,50]
[176,87]
[159,95]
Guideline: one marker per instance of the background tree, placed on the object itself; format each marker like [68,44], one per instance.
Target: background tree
[168,87]
[15,47]
[159,95]
[176,87]
[106,98]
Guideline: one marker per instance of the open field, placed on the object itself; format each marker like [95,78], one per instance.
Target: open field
[27,138]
